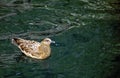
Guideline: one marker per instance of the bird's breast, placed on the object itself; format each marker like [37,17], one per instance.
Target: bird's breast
[44,51]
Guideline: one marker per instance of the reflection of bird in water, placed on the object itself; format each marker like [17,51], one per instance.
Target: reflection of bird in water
[34,49]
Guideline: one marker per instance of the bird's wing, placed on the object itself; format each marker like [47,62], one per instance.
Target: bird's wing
[28,46]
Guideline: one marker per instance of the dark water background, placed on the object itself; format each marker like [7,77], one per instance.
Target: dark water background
[86,34]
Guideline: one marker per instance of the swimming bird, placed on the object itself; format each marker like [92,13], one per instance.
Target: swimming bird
[34,49]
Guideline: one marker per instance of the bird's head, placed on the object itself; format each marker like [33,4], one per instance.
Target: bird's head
[48,41]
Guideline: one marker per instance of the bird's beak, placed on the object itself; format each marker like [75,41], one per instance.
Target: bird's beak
[52,41]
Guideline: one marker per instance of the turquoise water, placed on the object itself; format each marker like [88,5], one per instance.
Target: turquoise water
[86,35]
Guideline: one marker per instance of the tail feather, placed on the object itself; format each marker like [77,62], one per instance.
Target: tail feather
[15,41]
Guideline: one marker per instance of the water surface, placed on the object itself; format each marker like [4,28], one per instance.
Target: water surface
[83,31]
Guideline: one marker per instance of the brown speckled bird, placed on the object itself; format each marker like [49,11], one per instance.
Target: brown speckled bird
[34,49]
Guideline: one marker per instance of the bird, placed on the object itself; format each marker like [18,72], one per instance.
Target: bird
[38,50]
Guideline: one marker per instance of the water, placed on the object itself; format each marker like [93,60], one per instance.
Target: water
[83,31]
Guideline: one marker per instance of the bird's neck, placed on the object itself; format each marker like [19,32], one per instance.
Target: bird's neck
[44,44]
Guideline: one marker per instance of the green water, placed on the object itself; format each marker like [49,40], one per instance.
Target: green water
[86,35]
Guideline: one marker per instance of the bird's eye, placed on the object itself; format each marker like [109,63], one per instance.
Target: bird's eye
[47,40]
